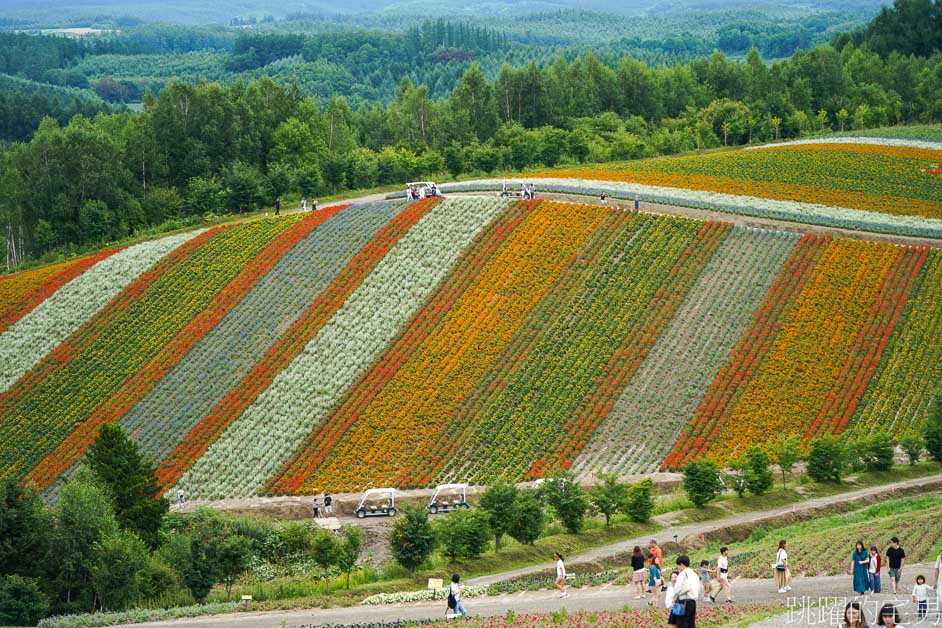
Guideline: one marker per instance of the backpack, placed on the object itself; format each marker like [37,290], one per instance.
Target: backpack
[452,602]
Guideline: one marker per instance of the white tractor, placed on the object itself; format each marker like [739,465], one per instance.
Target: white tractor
[448,497]
[377,502]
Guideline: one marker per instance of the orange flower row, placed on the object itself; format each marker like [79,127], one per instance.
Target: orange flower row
[391,436]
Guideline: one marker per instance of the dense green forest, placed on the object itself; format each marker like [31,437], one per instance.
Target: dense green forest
[200,147]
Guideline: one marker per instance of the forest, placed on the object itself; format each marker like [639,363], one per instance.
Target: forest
[92,173]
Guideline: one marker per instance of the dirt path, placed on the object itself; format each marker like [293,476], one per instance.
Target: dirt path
[604,598]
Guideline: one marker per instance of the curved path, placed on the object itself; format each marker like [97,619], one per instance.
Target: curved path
[607,597]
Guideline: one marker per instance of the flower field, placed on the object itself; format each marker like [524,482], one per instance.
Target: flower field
[812,553]
[43,407]
[51,321]
[897,397]
[419,343]
[647,417]
[887,179]
[21,292]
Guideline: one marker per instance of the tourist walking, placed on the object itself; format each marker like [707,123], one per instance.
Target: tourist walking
[278,206]
[854,616]
[669,596]
[686,593]
[722,577]
[314,205]
[706,583]
[655,582]
[454,597]
[328,504]
[937,583]
[895,555]
[316,509]
[303,204]
[657,552]
[921,596]
[181,497]
[560,575]
[873,569]
[783,575]
[637,566]
[860,561]
[637,202]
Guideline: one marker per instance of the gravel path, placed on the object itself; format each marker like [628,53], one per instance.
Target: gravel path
[604,598]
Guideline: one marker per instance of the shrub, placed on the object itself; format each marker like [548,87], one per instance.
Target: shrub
[759,476]
[912,444]
[21,601]
[567,499]
[528,519]
[878,452]
[412,539]
[609,496]
[463,534]
[639,504]
[498,502]
[702,482]
[934,430]
[825,459]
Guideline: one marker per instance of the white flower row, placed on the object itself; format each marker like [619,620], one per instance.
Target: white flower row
[421,596]
[226,353]
[901,142]
[665,391]
[259,442]
[25,343]
[792,211]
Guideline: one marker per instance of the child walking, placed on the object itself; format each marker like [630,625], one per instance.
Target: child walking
[921,596]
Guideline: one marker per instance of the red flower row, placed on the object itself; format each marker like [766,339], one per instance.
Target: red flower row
[320,442]
[744,360]
[861,364]
[133,390]
[16,311]
[287,348]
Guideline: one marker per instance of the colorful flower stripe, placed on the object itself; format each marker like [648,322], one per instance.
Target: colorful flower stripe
[61,275]
[453,462]
[226,355]
[73,446]
[289,346]
[301,395]
[813,344]
[744,362]
[885,179]
[664,393]
[392,435]
[861,364]
[16,286]
[92,365]
[793,211]
[524,426]
[861,140]
[637,343]
[899,205]
[292,478]
[921,153]
[25,343]
[901,392]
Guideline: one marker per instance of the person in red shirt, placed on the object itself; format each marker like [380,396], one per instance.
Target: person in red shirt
[874,569]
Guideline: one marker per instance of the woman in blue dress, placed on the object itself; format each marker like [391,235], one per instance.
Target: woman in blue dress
[860,561]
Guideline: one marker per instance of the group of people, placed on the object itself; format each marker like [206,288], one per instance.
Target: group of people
[328,506]
[527,191]
[417,193]
[304,204]
[867,566]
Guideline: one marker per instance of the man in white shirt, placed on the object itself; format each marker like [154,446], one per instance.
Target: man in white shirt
[722,574]
[686,592]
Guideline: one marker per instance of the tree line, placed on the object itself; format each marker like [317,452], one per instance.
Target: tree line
[204,148]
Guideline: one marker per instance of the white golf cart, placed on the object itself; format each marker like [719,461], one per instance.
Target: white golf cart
[377,502]
[511,189]
[448,497]
[423,189]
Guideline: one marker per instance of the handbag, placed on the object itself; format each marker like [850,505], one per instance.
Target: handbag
[679,608]
[780,568]
[452,602]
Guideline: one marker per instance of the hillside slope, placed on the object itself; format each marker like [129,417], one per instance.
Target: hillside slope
[465,338]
